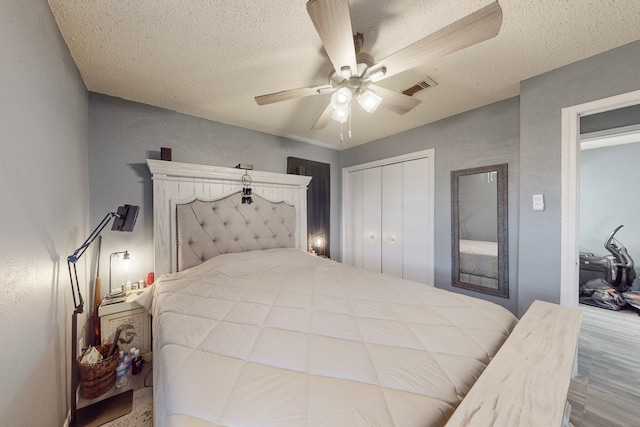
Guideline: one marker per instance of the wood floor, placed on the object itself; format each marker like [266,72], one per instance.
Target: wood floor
[606,392]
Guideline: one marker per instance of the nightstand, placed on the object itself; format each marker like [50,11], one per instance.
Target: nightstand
[133,320]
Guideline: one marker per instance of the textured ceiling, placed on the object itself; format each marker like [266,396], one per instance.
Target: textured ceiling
[211,58]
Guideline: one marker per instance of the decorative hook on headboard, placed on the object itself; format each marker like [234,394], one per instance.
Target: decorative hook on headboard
[246,182]
[246,179]
[246,190]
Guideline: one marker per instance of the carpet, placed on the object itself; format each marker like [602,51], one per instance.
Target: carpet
[142,413]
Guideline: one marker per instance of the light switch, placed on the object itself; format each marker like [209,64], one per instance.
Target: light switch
[538,202]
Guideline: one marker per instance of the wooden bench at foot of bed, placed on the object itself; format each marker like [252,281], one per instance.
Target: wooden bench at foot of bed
[527,381]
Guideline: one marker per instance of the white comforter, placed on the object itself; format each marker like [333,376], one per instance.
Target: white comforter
[479,258]
[283,338]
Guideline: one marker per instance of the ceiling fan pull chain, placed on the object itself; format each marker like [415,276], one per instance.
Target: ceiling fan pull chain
[341,137]
[349,122]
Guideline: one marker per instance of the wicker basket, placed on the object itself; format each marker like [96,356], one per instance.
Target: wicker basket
[97,378]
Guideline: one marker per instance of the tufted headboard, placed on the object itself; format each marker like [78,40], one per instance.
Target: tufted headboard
[206,229]
[181,187]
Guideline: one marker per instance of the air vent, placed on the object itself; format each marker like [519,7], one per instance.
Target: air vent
[426,83]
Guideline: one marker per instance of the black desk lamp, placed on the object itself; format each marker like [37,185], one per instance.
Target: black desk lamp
[125,220]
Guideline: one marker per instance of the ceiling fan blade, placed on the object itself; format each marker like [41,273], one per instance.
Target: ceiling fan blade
[394,101]
[324,118]
[333,24]
[286,95]
[477,27]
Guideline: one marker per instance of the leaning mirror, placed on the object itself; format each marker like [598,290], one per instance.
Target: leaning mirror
[479,230]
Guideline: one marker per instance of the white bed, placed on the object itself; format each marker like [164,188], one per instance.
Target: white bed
[279,337]
[479,262]
[479,258]
[304,341]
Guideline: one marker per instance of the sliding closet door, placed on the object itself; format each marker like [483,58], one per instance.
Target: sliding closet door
[353,218]
[392,229]
[372,219]
[417,215]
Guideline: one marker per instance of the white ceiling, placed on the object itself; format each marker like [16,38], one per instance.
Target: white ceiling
[211,58]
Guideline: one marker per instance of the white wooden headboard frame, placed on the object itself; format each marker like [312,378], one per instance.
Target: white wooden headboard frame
[175,183]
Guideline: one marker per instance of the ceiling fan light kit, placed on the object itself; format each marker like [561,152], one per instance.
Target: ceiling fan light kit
[369,100]
[356,72]
[341,116]
[341,99]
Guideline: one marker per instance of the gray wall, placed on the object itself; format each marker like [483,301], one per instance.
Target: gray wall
[122,134]
[43,214]
[609,197]
[541,101]
[485,136]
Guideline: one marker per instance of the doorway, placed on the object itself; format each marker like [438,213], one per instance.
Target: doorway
[570,215]
[318,202]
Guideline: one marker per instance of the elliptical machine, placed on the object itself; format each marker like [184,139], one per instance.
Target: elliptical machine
[606,281]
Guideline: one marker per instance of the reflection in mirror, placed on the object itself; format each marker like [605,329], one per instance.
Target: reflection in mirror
[479,229]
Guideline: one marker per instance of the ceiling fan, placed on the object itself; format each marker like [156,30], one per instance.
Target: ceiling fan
[355,73]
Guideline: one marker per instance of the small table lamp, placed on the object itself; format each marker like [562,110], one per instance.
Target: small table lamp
[125,257]
[319,244]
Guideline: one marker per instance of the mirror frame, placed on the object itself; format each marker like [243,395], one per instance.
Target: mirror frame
[503,230]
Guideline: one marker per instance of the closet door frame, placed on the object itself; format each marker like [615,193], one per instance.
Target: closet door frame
[428,154]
